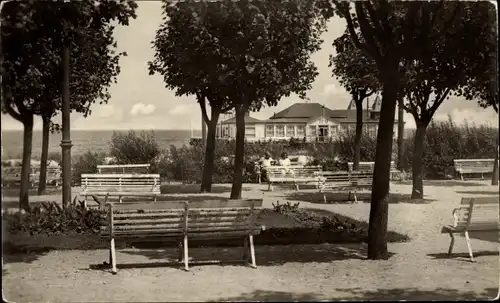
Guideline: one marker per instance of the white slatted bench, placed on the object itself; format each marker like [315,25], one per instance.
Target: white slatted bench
[473,166]
[478,214]
[370,166]
[124,169]
[180,221]
[120,185]
[292,174]
[330,181]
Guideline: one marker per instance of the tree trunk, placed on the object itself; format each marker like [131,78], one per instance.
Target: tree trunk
[208,165]
[239,154]
[401,131]
[359,132]
[494,178]
[42,180]
[379,208]
[418,152]
[26,164]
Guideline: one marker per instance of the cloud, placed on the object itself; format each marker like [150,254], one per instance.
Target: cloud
[141,109]
[332,89]
[182,109]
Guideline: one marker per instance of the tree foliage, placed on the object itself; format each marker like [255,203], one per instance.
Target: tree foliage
[32,53]
[33,36]
[354,70]
[393,34]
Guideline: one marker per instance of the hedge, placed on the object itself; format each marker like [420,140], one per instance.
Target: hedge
[444,142]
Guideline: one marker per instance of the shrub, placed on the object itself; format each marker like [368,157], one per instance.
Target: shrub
[55,156]
[131,148]
[50,218]
[86,164]
[446,141]
[286,208]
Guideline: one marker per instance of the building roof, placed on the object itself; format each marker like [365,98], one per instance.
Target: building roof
[248,120]
[304,110]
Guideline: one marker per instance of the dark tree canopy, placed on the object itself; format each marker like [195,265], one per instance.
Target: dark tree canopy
[32,53]
[354,70]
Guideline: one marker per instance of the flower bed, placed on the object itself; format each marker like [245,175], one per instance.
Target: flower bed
[51,227]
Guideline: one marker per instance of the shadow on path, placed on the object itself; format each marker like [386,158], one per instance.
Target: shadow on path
[265,255]
[368,295]
[344,197]
[444,183]
[477,192]
[463,256]
[195,188]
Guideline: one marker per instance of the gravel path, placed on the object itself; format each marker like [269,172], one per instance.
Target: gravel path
[416,271]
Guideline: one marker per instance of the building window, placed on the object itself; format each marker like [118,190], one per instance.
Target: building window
[301,131]
[372,130]
[280,131]
[225,131]
[250,131]
[290,131]
[269,130]
[333,130]
[312,131]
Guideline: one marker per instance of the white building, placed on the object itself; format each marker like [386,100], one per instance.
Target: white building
[310,121]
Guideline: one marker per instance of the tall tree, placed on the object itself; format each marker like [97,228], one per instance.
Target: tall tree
[93,67]
[482,83]
[261,49]
[187,56]
[390,33]
[357,73]
[441,68]
[32,41]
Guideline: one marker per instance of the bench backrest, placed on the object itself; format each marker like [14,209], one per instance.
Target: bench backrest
[298,170]
[368,166]
[121,183]
[201,218]
[124,169]
[143,220]
[477,210]
[474,165]
[358,177]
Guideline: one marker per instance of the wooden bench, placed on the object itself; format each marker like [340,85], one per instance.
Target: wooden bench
[120,185]
[180,221]
[124,169]
[292,174]
[480,214]
[341,179]
[473,166]
[370,166]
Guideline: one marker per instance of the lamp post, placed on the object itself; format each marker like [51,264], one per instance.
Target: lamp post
[66,140]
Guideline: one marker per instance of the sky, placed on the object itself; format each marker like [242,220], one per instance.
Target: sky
[140,101]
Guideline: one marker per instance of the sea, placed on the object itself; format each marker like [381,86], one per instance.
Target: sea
[84,140]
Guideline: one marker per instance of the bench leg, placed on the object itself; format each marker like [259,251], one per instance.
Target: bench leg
[186,254]
[355,197]
[245,250]
[452,242]
[324,198]
[179,246]
[252,251]
[296,186]
[120,199]
[469,247]
[461,177]
[85,201]
[270,187]
[154,199]
[113,256]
